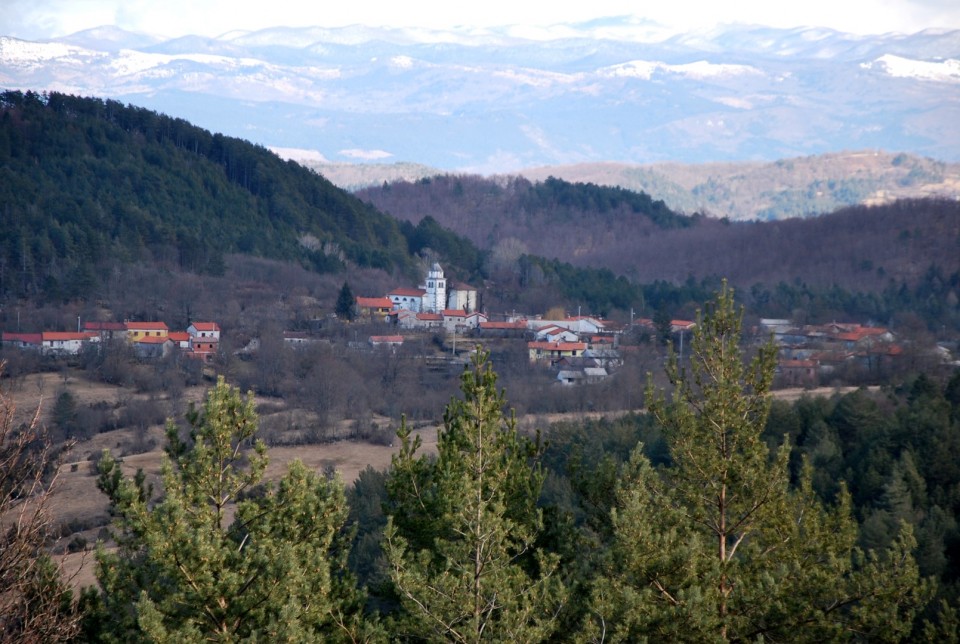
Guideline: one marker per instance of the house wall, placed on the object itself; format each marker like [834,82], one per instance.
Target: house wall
[463,299]
[408,302]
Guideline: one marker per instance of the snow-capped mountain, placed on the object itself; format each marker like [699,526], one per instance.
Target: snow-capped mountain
[495,100]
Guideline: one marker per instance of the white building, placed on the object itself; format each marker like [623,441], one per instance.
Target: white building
[57,343]
[435,291]
[462,297]
[407,299]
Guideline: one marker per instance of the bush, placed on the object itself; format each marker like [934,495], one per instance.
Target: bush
[77,544]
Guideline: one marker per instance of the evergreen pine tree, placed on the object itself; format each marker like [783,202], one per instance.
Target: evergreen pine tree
[460,535]
[662,323]
[185,571]
[720,546]
[345,303]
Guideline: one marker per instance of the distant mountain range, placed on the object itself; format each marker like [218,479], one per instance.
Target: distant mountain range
[796,187]
[496,102]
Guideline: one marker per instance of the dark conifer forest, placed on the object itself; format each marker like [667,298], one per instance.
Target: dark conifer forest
[85,179]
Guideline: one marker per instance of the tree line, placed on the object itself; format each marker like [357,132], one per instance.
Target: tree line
[89,179]
[717,516]
[94,187]
[866,262]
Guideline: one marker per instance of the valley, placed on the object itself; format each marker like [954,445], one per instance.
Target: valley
[332,314]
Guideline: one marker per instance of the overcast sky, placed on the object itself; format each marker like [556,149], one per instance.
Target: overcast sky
[41,19]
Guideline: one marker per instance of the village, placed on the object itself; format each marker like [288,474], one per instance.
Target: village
[579,349]
[150,340]
[586,349]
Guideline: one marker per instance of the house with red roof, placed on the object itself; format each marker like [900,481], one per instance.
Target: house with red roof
[454,320]
[65,343]
[676,326]
[392,341]
[204,330]
[553,351]
[138,330]
[204,340]
[460,321]
[152,347]
[429,320]
[106,330]
[410,299]
[22,340]
[374,308]
[180,339]
[797,373]
[505,329]
[555,333]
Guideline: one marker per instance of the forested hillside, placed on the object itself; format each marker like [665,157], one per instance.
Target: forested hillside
[82,179]
[88,185]
[552,218]
[859,249]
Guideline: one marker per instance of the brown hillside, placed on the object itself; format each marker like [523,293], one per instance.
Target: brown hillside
[748,190]
[786,188]
[858,248]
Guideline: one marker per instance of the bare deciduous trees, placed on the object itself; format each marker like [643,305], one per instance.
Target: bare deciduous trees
[35,604]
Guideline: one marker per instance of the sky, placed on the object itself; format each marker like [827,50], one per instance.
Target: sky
[45,19]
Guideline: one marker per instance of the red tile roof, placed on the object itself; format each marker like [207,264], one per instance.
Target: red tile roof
[205,326]
[512,326]
[454,313]
[68,335]
[145,326]
[558,346]
[152,339]
[374,302]
[408,292]
[25,338]
[430,317]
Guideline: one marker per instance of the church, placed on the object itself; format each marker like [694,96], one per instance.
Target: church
[432,295]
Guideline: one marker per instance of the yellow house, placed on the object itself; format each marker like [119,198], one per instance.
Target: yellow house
[139,330]
[377,308]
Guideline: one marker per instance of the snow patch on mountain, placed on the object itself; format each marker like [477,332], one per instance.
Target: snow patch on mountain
[134,62]
[703,69]
[946,71]
[499,98]
[24,54]
[401,62]
[699,70]
[536,77]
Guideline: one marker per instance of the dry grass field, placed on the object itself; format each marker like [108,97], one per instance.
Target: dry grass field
[77,496]
[83,509]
